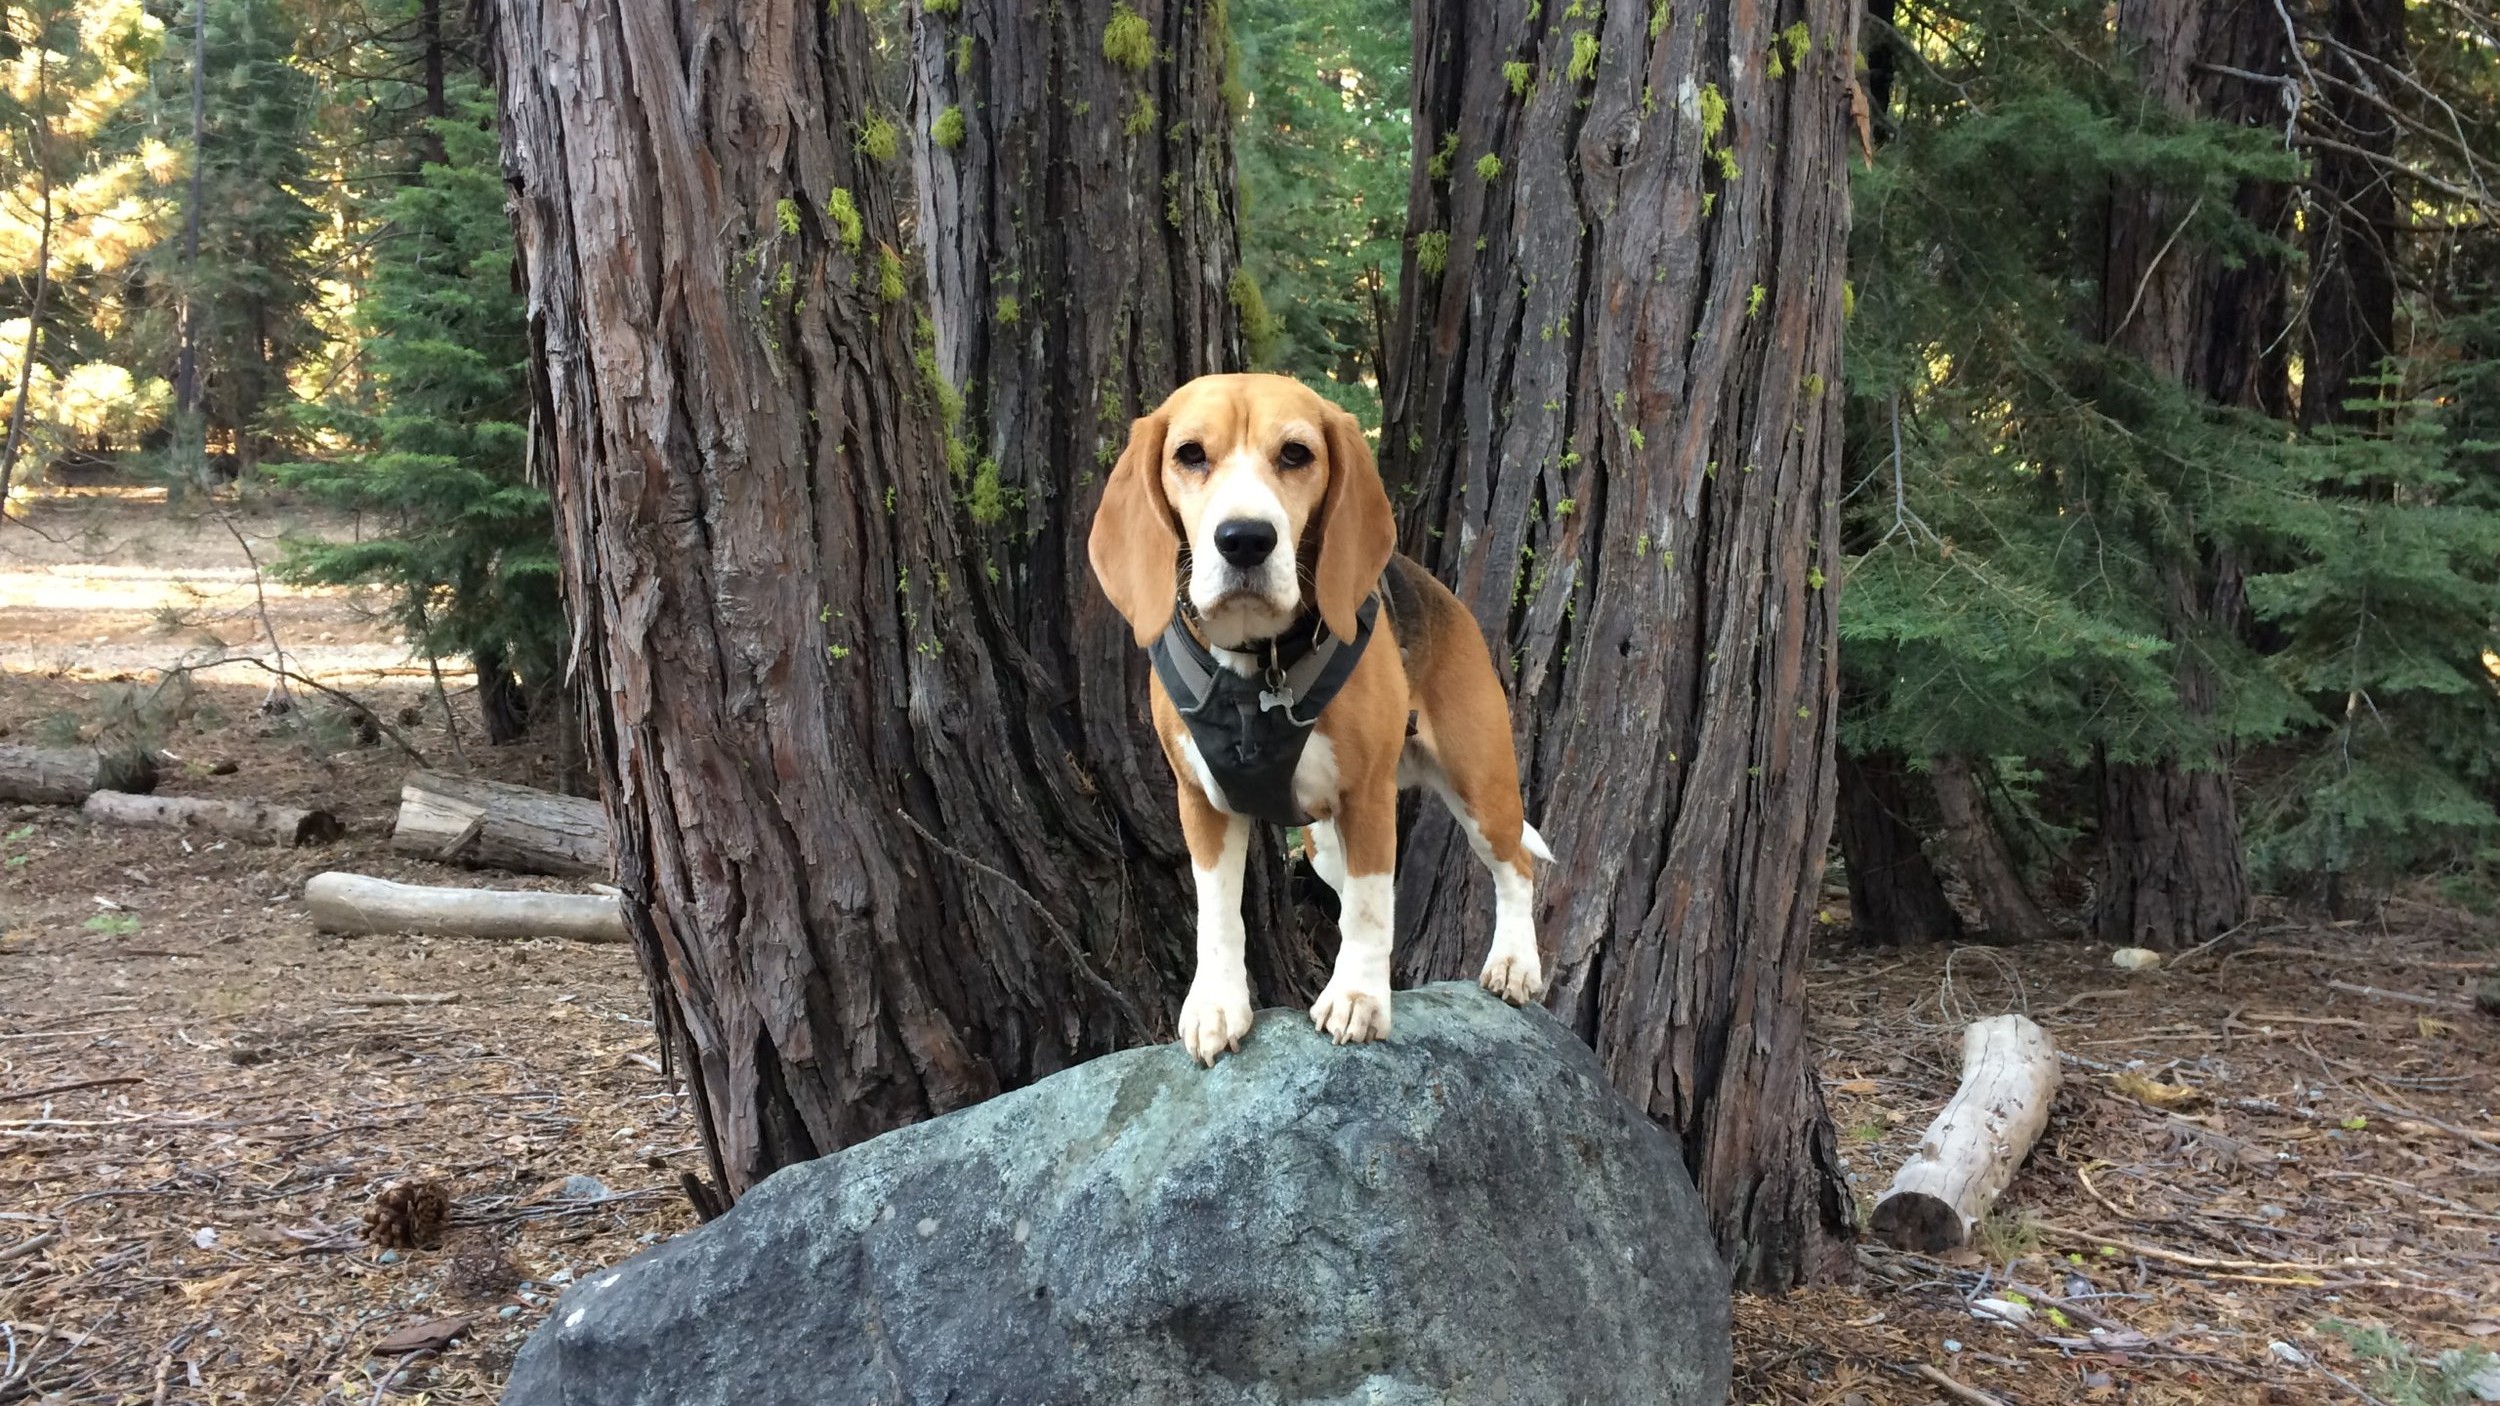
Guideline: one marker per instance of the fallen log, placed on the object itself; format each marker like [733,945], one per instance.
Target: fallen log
[355,904]
[1973,1149]
[256,821]
[64,776]
[460,819]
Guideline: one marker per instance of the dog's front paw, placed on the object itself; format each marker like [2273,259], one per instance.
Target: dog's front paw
[1214,1020]
[1353,1013]
[1513,976]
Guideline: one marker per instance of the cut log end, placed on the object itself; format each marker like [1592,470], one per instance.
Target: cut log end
[1919,1223]
[492,825]
[1970,1154]
[64,776]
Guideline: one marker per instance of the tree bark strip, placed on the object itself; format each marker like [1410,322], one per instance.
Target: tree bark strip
[1076,210]
[1614,413]
[866,888]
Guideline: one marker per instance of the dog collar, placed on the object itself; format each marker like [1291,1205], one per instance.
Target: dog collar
[1250,731]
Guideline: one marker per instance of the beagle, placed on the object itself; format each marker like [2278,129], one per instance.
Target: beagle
[1244,534]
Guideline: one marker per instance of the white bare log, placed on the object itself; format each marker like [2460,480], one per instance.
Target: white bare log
[498,826]
[357,904]
[1972,1151]
[64,776]
[258,822]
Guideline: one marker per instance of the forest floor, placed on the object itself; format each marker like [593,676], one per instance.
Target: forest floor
[2273,1173]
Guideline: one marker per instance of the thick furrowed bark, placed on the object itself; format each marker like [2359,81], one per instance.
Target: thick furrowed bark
[1076,210]
[1618,424]
[864,889]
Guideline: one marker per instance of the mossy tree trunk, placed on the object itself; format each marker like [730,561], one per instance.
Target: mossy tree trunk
[868,877]
[1615,417]
[1075,182]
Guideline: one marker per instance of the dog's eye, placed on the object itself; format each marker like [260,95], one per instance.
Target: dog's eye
[1192,453]
[1294,455]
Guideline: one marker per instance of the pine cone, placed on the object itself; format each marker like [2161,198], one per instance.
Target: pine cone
[408,1215]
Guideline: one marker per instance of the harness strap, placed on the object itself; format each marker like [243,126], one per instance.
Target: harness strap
[1251,731]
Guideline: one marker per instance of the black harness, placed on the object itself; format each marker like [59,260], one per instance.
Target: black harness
[1251,731]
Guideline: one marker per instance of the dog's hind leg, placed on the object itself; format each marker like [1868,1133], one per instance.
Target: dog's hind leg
[1479,782]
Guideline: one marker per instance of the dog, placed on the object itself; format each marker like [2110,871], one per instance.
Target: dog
[1246,539]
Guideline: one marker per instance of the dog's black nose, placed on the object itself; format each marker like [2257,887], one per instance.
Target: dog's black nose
[1245,541]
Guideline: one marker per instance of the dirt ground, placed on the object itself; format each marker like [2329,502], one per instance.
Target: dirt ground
[2273,1174]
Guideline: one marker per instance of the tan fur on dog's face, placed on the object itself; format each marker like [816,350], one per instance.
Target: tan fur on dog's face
[1243,450]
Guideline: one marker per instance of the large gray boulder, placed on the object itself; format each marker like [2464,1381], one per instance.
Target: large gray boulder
[1465,1213]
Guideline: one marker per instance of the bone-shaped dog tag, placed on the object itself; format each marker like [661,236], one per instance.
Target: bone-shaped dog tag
[1272,699]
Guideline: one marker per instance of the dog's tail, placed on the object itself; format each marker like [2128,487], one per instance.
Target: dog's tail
[1534,842]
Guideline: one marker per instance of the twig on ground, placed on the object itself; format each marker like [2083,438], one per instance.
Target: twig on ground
[1945,1382]
[2383,994]
[23,1248]
[2196,1261]
[30,1095]
[268,626]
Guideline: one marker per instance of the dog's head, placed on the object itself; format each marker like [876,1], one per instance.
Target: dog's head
[1273,493]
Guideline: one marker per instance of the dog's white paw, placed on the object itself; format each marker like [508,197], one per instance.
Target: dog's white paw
[1513,975]
[1213,1021]
[1352,1013]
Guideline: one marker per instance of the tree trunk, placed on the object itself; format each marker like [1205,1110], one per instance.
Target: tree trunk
[1615,420]
[190,427]
[502,704]
[42,142]
[355,904]
[1894,895]
[1979,854]
[1076,213]
[865,872]
[2172,870]
[460,819]
[259,822]
[2351,326]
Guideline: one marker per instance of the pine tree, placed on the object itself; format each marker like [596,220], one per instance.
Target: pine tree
[2046,479]
[466,542]
[249,288]
[68,71]
[1323,134]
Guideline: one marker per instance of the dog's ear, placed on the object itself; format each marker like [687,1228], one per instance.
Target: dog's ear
[1357,531]
[1135,552]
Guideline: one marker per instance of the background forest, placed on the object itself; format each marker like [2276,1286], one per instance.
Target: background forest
[2146,605]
